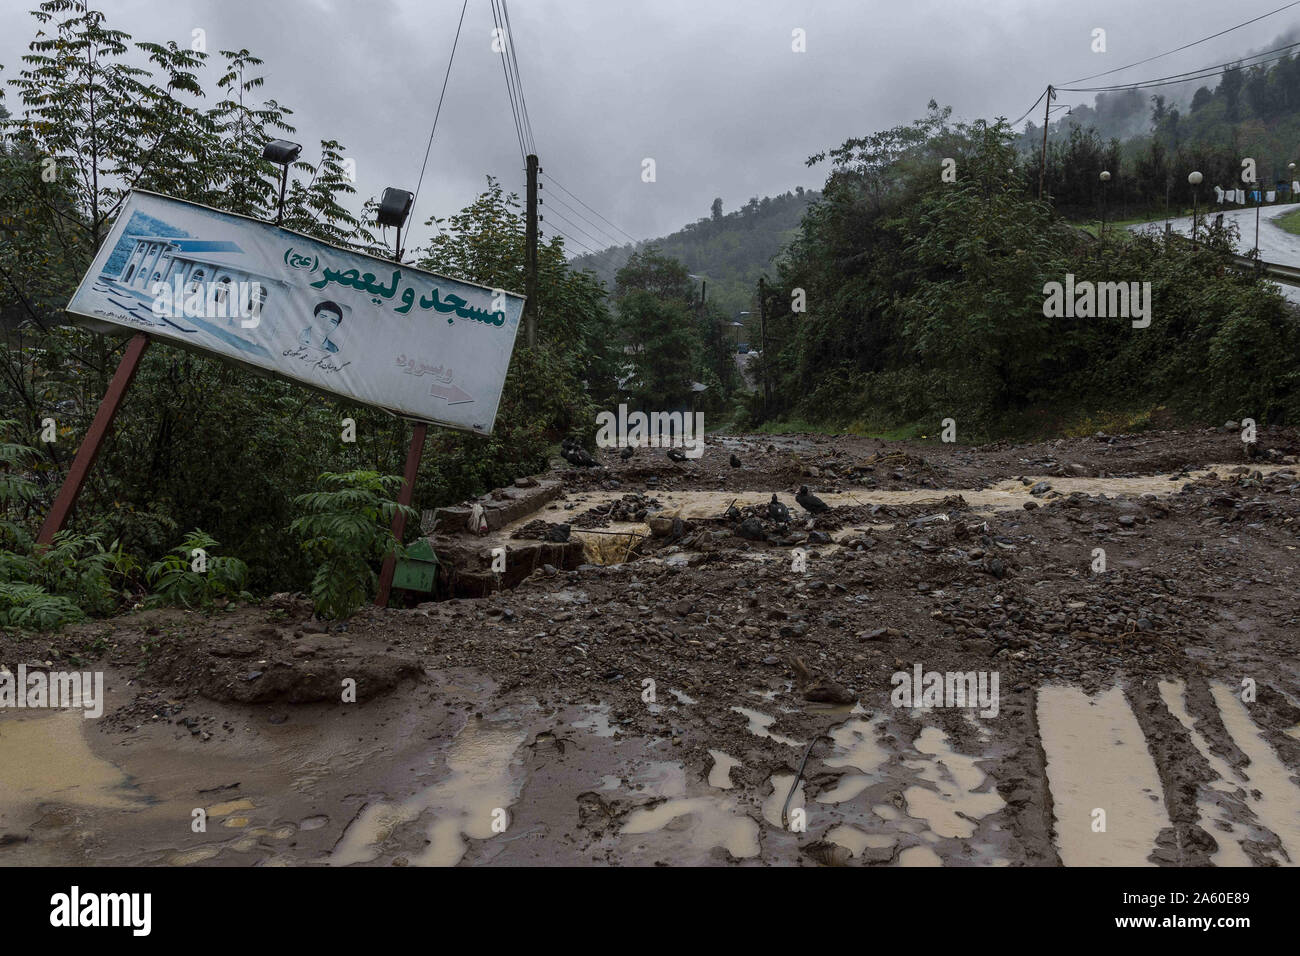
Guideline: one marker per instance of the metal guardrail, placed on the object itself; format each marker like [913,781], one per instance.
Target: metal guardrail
[1287,275]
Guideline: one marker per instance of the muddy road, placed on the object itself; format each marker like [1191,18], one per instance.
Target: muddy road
[707,685]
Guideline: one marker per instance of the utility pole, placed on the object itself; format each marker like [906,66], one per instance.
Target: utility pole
[1042,169]
[530,262]
[762,337]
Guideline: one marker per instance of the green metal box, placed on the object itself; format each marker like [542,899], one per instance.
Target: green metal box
[418,571]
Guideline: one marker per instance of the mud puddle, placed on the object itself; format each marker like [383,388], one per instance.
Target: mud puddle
[47,759]
[260,791]
[1271,795]
[955,794]
[471,801]
[1106,793]
[686,825]
[445,774]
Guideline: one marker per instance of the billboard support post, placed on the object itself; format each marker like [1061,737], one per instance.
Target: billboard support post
[399,517]
[393,210]
[89,448]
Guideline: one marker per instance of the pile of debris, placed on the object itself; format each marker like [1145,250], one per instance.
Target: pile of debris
[897,466]
[633,507]
[771,523]
[572,451]
[539,530]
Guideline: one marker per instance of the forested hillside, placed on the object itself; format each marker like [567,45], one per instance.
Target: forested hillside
[729,249]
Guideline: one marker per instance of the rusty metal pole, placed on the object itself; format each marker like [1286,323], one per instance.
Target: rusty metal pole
[89,448]
[413,453]
[399,519]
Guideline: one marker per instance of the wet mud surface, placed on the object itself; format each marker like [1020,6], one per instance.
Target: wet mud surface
[656,704]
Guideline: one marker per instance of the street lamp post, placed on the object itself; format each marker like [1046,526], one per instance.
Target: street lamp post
[1105,178]
[1259,201]
[394,208]
[1194,178]
[704,285]
[282,153]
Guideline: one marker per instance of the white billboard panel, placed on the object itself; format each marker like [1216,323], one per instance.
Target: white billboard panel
[418,344]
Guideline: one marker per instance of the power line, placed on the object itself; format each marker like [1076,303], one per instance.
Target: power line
[519,83]
[596,253]
[1186,46]
[438,112]
[604,263]
[1160,82]
[510,88]
[573,225]
[1191,76]
[604,235]
[575,241]
[592,211]
[527,143]
[1031,109]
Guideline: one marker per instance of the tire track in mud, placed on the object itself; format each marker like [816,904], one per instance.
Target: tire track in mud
[1201,741]
[1028,796]
[1267,781]
[1106,790]
[1184,773]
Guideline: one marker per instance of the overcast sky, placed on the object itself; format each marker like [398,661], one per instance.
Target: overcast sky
[710,89]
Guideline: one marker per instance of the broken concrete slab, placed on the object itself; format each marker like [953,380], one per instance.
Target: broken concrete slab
[501,507]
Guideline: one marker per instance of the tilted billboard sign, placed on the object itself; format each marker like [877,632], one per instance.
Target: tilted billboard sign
[410,341]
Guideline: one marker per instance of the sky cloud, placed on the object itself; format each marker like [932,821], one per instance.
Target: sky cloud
[711,91]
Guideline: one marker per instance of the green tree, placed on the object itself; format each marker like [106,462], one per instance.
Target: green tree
[550,390]
[661,342]
[345,529]
[199,442]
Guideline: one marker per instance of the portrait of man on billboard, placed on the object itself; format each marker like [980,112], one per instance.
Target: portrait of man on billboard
[326,318]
